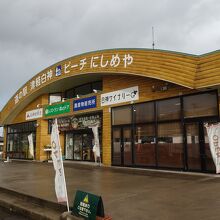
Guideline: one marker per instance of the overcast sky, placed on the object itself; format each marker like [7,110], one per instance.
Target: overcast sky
[37,33]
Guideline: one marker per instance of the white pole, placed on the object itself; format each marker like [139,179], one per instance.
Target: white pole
[64,179]
[153,44]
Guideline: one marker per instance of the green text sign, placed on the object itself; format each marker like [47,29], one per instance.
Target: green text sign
[57,109]
[88,205]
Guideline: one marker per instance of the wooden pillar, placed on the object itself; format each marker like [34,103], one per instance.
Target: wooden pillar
[5,143]
[106,137]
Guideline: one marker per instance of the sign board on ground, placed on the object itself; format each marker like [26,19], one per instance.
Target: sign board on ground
[88,205]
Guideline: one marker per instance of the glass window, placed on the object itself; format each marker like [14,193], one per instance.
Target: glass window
[83,90]
[200,105]
[10,142]
[170,145]
[145,145]
[121,115]
[77,146]
[193,147]
[87,146]
[168,109]
[69,146]
[97,85]
[21,128]
[116,157]
[13,129]
[70,94]
[17,140]
[144,112]
[127,144]
[56,97]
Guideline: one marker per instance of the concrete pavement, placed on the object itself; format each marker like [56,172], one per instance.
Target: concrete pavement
[5,215]
[127,195]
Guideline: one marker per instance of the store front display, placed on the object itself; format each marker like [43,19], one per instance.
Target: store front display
[167,133]
[18,145]
[79,146]
[79,138]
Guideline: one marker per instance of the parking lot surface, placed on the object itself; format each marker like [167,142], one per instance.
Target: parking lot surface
[126,196]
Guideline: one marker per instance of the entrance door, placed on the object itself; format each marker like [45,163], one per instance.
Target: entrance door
[77,146]
[87,147]
[69,146]
[80,145]
[122,146]
[198,152]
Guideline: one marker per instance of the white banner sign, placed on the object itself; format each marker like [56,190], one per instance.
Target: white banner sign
[214,143]
[60,183]
[36,113]
[96,147]
[31,145]
[124,95]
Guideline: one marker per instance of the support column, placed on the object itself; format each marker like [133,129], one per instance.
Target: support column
[5,143]
[106,137]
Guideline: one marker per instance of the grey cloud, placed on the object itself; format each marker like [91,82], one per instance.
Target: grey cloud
[38,33]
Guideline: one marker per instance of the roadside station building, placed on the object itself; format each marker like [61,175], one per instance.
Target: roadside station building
[150,107]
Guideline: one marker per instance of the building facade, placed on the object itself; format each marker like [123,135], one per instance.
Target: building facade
[149,107]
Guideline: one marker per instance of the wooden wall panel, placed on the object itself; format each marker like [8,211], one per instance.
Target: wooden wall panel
[183,69]
[21,117]
[208,70]
[164,65]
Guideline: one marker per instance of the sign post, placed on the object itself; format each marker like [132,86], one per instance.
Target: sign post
[56,154]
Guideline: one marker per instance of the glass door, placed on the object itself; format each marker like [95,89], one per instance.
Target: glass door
[77,146]
[198,151]
[122,146]
[116,147]
[87,147]
[69,146]
[127,146]
[193,147]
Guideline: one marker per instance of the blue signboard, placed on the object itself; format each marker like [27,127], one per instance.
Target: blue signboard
[85,103]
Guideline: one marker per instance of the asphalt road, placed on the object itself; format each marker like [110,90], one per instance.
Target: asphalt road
[126,196]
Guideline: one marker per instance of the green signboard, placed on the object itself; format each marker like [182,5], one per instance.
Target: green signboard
[88,205]
[57,109]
